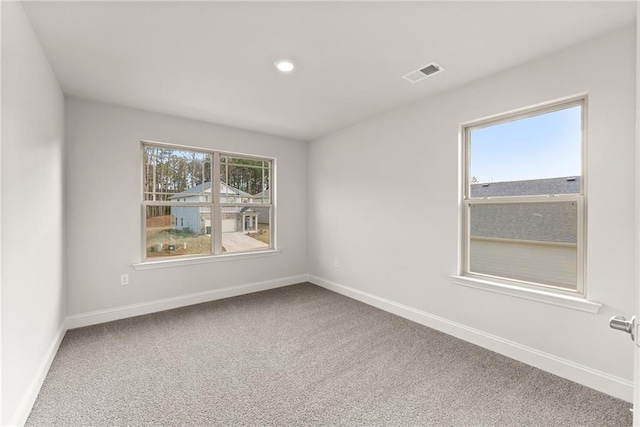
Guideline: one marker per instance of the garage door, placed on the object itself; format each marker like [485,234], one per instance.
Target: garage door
[228,225]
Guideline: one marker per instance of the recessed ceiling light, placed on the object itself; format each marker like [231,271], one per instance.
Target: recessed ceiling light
[285,65]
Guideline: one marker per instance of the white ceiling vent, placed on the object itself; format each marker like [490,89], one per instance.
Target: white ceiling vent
[422,73]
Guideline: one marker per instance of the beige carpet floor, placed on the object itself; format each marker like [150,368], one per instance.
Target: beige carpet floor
[299,356]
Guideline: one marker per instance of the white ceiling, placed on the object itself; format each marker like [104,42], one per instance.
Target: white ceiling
[213,61]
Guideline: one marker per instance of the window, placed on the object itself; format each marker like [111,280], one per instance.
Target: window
[523,198]
[223,200]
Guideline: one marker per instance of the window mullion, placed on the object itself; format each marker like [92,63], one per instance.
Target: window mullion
[524,199]
[216,209]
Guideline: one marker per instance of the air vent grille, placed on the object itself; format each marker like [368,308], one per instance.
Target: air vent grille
[430,69]
[422,73]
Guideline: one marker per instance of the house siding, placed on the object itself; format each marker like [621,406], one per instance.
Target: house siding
[553,264]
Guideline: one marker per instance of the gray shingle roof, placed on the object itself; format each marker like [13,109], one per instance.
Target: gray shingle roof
[543,222]
[540,222]
[532,187]
[225,189]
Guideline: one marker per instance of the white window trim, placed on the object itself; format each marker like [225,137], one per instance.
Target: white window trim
[216,212]
[537,292]
[539,295]
[204,259]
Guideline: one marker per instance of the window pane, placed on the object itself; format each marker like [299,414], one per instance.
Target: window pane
[533,242]
[245,229]
[178,230]
[245,180]
[536,155]
[176,175]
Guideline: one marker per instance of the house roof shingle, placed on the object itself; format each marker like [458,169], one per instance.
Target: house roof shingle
[225,190]
[543,222]
[532,187]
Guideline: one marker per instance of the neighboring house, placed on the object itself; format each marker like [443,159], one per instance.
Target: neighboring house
[505,221]
[531,241]
[263,213]
[198,219]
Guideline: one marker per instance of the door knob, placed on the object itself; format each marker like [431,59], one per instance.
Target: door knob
[619,323]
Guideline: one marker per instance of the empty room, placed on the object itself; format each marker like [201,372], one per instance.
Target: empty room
[305,213]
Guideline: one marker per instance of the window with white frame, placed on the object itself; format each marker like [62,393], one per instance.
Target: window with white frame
[199,202]
[523,198]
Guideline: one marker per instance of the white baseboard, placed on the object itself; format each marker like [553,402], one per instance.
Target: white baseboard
[117,313]
[601,381]
[23,410]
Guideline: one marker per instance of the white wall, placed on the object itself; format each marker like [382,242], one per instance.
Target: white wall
[33,291]
[103,188]
[412,153]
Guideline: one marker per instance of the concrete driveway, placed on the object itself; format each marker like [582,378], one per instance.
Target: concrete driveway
[238,242]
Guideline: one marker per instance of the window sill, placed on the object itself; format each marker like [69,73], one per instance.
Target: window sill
[150,265]
[572,302]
